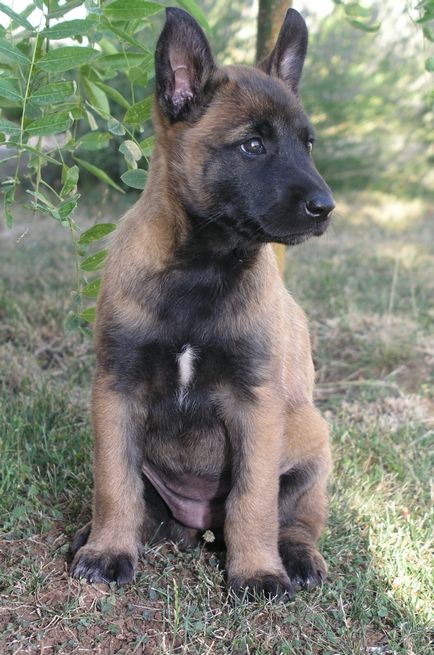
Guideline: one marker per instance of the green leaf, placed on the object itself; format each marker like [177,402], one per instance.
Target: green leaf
[68,28]
[65,58]
[16,17]
[96,96]
[38,195]
[9,90]
[77,112]
[91,290]
[196,12]
[69,178]
[137,76]
[88,314]
[124,36]
[91,120]
[128,9]
[130,150]
[135,179]
[121,60]
[66,208]
[9,104]
[147,145]
[50,94]
[429,64]
[96,232]
[115,127]
[355,10]
[365,27]
[95,261]
[138,113]
[7,127]
[428,33]
[12,53]
[427,16]
[50,124]
[114,95]
[71,322]
[94,141]
[8,198]
[59,213]
[100,174]
[106,45]
[39,153]
[60,10]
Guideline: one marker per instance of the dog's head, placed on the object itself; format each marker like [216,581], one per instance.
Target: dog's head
[237,141]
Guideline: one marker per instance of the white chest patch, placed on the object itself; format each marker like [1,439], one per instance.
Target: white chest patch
[185,361]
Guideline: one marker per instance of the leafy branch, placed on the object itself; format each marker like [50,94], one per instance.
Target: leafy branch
[56,80]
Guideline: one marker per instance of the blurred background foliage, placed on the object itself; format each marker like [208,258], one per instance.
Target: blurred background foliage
[368,95]
[367,92]
[76,80]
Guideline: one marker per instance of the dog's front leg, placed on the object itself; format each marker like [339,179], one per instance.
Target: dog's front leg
[252,525]
[112,548]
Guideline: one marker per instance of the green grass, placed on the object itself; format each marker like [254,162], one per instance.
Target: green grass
[367,287]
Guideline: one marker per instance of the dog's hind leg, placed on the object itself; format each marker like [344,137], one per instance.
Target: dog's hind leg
[302,497]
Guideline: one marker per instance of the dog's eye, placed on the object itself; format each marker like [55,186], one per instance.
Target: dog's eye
[253,147]
[310,145]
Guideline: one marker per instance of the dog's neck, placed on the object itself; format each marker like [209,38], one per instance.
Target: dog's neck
[189,237]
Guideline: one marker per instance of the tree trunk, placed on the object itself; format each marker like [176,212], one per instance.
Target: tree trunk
[270,18]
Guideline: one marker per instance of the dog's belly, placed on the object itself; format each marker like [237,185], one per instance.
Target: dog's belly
[196,501]
[186,457]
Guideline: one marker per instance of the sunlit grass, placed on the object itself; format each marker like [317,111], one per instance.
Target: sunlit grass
[394,214]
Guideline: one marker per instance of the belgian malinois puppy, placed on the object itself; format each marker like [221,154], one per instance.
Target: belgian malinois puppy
[202,403]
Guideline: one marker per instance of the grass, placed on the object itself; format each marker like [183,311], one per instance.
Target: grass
[367,287]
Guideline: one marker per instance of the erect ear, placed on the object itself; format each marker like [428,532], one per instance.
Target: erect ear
[183,65]
[287,57]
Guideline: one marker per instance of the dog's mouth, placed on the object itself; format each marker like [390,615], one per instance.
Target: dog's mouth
[295,237]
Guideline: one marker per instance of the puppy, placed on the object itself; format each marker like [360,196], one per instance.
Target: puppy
[202,404]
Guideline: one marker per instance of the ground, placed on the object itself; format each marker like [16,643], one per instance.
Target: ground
[367,287]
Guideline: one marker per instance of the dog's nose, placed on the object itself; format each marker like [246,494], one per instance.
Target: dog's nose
[320,205]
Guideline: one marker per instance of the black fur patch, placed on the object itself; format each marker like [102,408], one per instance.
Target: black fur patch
[81,537]
[296,481]
[273,587]
[105,567]
[152,367]
[305,570]
[188,300]
[292,485]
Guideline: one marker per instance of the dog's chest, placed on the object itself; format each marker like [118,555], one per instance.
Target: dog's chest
[183,371]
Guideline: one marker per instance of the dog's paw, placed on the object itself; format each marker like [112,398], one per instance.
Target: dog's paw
[80,538]
[306,567]
[100,566]
[272,586]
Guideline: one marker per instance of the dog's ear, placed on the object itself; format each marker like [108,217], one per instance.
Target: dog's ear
[183,65]
[287,57]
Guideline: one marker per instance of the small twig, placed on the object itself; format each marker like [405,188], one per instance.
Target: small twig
[393,287]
